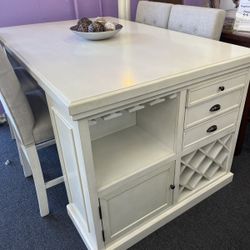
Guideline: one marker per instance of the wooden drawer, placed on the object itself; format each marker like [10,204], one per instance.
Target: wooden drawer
[123,208]
[213,107]
[210,128]
[219,88]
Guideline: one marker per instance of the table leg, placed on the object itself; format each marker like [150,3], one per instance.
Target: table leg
[243,125]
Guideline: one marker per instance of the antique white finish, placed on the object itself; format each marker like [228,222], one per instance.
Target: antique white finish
[124,9]
[131,115]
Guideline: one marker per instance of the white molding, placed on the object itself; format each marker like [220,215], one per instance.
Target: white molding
[124,9]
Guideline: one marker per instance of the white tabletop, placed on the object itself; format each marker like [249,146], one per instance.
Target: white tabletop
[80,72]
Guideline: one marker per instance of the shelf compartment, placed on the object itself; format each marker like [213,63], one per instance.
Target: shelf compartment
[133,139]
[182,168]
[211,171]
[194,181]
[196,160]
[215,150]
[187,158]
[126,152]
[186,176]
[205,165]
[208,147]
[222,157]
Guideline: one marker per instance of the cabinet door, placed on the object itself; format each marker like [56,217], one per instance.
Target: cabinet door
[131,205]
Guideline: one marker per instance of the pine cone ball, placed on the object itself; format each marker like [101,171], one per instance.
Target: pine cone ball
[109,26]
[84,20]
[100,20]
[91,28]
[118,26]
[83,27]
[96,27]
[99,27]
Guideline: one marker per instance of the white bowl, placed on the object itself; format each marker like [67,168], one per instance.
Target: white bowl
[95,36]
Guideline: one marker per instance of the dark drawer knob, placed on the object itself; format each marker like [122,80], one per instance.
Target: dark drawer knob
[221,88]
[172,186]
[214,108]
[212,129]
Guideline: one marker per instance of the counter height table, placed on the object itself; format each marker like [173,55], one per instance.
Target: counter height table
[145,123]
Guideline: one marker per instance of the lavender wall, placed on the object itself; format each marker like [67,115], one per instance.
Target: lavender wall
[17,12]
[196,2]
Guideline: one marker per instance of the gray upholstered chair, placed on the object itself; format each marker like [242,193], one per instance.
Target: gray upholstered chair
[28,83]
[29,117]
[153,13]
[199,21]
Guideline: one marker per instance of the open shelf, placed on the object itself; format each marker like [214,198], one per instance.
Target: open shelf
[128,141]
[203,165]
[126,152]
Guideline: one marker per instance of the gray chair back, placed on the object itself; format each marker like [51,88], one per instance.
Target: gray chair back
[199,21]
[14,101]
[153,13]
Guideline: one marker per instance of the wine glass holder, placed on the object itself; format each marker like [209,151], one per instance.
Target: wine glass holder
[204,164]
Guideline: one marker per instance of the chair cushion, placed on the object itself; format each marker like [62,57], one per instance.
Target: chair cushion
[199,21]
[42,130]
[28,83]
[153,13]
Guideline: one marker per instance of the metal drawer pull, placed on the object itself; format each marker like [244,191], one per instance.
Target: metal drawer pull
[214,108]
[112,116]
[157,101]
[136,108]
[212,129]
[221,88]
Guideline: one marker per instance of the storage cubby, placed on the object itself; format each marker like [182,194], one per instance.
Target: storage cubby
[135,138]
[203,165]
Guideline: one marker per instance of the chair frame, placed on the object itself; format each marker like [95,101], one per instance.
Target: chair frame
[31,165]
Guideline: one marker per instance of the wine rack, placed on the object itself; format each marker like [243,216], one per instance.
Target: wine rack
[203,165]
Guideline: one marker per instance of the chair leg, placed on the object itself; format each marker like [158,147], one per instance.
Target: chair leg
[12,133]
[24,162]
[32,157]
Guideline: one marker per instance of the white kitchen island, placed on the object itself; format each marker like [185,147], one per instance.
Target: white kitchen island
[145,123]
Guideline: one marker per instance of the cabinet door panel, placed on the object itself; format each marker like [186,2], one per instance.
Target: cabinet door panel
[134,203]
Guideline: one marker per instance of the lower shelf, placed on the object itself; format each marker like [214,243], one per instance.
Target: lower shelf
[124,153]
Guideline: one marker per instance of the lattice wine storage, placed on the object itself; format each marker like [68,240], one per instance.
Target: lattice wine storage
[203,165]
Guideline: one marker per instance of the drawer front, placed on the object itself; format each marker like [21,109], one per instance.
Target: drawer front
[220,87]
[210,128]
[127,207]
[213,107]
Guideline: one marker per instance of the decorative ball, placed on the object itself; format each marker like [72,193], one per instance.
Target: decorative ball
[118,26]
[75,27]
[100,20]
[83,24]
[83,27]
[84,20]
[109,26]
[96,27]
